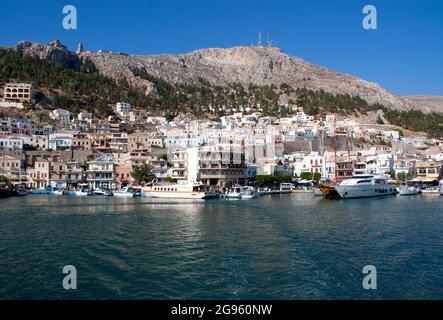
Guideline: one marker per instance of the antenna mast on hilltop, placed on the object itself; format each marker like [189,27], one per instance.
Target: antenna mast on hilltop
[268,40]
[259,40]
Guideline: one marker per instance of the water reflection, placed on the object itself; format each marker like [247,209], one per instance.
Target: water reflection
[288,246]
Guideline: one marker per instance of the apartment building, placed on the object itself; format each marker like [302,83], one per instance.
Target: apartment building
[101,173]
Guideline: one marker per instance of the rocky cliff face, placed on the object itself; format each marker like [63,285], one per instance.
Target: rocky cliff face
[54,52]
[256,65]
[428,103]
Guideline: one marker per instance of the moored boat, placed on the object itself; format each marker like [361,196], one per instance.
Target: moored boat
[179,191]
[240,192]
[82,192]
[365,186]
[126,192]
[408,191]
[59,192]
[47,190]
[328,191]
[20,191]
[431,190]
[5,192]
[317,192]
[98,192]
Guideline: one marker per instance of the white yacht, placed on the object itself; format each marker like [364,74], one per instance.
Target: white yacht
[179,191]
[364,186]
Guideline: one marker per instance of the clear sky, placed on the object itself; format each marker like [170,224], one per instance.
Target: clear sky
[404,55]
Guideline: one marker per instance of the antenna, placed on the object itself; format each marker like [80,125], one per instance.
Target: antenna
[259,41]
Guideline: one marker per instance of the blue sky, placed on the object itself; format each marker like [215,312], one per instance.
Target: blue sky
[404,55]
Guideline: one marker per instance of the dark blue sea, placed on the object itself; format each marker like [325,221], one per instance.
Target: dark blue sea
[293,246]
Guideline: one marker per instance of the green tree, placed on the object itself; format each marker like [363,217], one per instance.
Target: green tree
[310,176]
[143,174]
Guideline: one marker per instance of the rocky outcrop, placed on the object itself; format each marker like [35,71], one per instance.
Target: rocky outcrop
[54,52]
[428,103]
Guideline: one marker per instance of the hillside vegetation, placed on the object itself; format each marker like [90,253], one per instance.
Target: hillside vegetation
[86,89]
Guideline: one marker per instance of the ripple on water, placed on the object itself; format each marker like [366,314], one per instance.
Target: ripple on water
[280,247]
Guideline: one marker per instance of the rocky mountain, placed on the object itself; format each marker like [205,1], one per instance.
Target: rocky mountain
[256,65]
[428,103]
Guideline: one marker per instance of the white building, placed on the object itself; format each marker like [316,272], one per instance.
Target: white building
[61,115]
[123,108]
[17,92]
[84,116]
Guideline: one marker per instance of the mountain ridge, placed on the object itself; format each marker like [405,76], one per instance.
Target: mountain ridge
[246,65]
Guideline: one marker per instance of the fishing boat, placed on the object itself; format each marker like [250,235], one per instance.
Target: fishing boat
[328,191]
[179,191]
[365,186]
[126,192]
[240,192]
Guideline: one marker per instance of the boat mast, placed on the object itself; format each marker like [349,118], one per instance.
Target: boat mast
[334,139]
[348,143]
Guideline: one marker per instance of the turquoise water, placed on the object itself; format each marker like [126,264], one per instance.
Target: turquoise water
[275,247]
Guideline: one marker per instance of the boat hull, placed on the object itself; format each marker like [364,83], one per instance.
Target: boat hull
[178,195]
[329,191]
[124,194]
[348,192]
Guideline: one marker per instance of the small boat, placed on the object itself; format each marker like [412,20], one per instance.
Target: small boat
[431,190]
[101,192]
[20,191]
[408,191]
[58,192]
[47,190]
[365,186]
[82,192]
[127,192]
[241,193]
[5,192]
[317,192]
